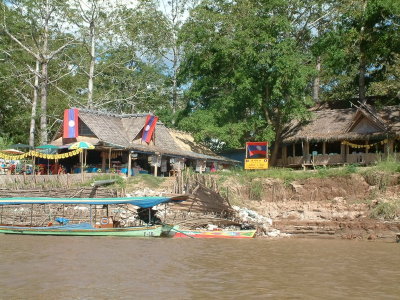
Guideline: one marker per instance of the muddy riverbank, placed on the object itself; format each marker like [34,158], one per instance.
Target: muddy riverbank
[351,207]
[354,206]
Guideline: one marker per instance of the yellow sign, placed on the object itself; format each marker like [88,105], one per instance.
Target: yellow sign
[256,164]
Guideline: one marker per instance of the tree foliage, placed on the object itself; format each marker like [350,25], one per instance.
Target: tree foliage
[226,71]
[248,71]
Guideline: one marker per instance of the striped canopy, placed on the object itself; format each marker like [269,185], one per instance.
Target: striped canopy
[81,145]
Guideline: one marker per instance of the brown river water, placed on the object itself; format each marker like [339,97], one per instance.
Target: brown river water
[33,267]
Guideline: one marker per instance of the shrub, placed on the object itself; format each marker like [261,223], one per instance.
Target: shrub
[256,190]
[350,169]
[387,210]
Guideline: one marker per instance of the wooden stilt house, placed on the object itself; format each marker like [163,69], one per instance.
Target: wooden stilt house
[357,135]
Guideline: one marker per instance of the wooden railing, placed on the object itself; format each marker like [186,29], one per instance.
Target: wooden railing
[335,159]
[324,160]
[32,181]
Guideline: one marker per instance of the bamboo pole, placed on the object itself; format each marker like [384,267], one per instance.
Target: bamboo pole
[129,163]
[109,160]
[81,159]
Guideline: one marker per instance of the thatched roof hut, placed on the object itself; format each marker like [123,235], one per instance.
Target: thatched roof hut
[124,131]
[357,123]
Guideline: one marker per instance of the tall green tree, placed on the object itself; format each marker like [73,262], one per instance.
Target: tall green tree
[18,81]
[359,47]
[47,38]
[98,22]
[249,74]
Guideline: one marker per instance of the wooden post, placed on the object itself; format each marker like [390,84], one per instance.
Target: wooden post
[343,152]
[324,148]
[103,161]
[284,155]
[81,159]
[389,149]
[109,160]
[306,152]
[129,163]
[31,214]
[34,168]
[155,170]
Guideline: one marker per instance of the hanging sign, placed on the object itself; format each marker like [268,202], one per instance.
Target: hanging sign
[256,156]
[155,160]
[256,164]
[164,165]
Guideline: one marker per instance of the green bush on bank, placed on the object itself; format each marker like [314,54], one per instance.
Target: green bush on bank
[389,165]
[389,210]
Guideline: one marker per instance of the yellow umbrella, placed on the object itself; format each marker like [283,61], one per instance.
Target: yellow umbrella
[81,145]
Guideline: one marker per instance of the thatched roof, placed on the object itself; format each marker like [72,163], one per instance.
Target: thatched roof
[124,131]
[362,123]
[187,143]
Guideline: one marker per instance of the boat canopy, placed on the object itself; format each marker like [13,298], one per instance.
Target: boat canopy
[144,202]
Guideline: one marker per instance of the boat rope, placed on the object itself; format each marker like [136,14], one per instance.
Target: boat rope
[172,228]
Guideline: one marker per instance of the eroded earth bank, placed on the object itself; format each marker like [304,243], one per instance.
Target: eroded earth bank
[353,206]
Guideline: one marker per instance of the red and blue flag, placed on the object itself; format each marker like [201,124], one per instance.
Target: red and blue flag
[70,123]
[149,127]
[258,149]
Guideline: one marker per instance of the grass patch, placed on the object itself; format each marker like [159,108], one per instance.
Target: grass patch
[256,190]
[146,180]
[389,165]
[386,210]
[290,175]
[119,181]
[350,169]
[381,173]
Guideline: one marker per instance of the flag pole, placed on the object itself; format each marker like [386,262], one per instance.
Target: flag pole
[81,158]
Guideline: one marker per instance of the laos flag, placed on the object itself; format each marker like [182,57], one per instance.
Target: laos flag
[256,149]
[70,123]
[149,127]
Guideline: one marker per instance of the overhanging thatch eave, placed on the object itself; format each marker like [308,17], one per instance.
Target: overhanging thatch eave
[351,136]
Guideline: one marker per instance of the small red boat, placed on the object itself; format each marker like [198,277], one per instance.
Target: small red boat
[216,234]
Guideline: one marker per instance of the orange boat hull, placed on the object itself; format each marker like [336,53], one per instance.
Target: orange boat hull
[216,234]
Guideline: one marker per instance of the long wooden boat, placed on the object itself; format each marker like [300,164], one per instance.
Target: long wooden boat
[79,230]
[87,229]
[216,234]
